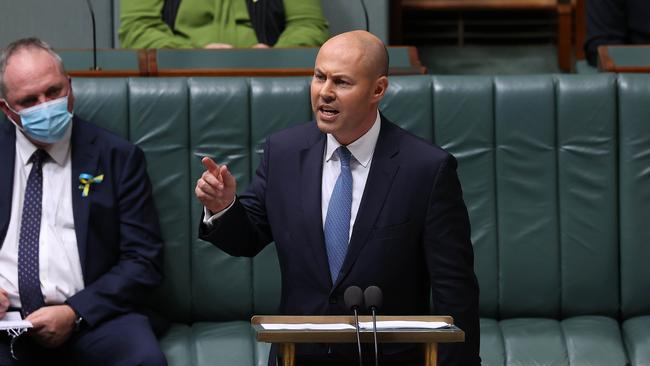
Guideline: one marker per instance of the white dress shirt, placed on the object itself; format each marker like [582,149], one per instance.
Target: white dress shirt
[59,264]
[362,151]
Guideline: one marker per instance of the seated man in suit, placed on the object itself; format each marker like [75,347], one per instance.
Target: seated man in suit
[81,244]
[615,22]
[352,199]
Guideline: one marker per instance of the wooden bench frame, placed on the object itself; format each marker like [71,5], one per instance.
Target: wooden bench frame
[564,11]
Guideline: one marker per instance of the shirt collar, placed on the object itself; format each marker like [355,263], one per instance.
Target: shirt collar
[362,149]
[58,151]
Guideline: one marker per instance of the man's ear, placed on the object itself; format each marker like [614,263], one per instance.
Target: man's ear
[70,96]
[380,88]
[9,113]
[5,108]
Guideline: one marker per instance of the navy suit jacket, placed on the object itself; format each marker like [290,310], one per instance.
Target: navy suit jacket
[116,225]
[411,235]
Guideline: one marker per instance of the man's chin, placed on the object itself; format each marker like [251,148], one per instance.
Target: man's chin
[325,126]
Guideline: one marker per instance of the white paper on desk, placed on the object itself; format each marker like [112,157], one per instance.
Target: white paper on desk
[403,324]
[307,326]
[13,320]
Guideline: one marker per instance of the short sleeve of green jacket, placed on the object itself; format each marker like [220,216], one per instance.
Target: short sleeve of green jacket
[200,22]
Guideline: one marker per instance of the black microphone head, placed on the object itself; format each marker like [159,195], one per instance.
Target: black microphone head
[373,297]
[353,297]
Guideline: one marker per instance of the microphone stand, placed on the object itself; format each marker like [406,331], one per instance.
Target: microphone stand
[373,299]
[92,17]
[353,297]
[374,333]
[365,13]
[356,323]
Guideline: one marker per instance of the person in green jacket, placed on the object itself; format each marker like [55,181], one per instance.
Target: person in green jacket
[216,24]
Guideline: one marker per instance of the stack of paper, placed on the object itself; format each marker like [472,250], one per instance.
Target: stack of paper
[403,324]
[386,324]
[13,320]
[309,326]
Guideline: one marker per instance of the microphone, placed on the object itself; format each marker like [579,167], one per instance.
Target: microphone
[373,299]
[92,17]
[353,297]
[365,13]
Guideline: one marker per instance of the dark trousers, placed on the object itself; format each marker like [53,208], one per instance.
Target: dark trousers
[123,340]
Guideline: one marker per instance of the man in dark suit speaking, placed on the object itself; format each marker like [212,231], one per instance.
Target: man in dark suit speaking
[352,199]
[79,235]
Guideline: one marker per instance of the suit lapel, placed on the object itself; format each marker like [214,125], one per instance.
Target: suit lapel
[311,171]
[380,178]
[7,158]
[85,159]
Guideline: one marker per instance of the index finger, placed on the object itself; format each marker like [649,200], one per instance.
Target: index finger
[210,165]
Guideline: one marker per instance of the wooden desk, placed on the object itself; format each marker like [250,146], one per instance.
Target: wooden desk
[112,62]
[404,60]
[627,58]
[261,62]
[479,4]
[288,338]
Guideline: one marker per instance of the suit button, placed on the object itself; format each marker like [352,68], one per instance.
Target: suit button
[333,300]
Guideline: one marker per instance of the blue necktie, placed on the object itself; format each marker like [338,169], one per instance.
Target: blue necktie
[29,285]
[337,221]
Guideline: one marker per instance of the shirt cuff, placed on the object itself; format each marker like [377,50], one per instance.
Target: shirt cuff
[209,218]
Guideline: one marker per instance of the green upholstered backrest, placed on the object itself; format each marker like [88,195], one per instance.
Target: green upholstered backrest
[634,188]
[276,103]
[537,160]
[347,15]
[553,168]
[219,128]
[463,111]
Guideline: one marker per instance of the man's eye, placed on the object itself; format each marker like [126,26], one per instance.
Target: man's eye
[341,82]
[27,103]
[53,93]
[319,77]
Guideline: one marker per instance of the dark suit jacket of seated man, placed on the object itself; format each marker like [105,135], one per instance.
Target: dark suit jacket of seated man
[615,22]
[97,242]
[411,233]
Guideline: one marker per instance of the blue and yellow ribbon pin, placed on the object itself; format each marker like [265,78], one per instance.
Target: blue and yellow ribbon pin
[86,180]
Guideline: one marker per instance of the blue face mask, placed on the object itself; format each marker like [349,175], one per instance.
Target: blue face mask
[46,122]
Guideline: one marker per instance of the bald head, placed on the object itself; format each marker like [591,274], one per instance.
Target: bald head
[349,83]
[370,51]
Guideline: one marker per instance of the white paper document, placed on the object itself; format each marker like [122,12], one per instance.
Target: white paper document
[386,324]
[13,320]
[403,324]
[308,326]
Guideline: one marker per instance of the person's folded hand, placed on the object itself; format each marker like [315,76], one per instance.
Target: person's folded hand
[216,46]
[52,324]
[4,303]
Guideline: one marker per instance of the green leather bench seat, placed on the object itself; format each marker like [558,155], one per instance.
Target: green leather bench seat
[555,173]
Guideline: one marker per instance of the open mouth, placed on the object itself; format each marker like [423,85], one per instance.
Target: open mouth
[328,111]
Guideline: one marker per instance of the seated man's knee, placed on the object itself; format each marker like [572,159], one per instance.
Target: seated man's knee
[152,357]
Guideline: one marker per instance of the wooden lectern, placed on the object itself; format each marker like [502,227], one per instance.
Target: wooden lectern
[288,338]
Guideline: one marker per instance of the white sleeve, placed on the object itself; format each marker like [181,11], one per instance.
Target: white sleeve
[209,218]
